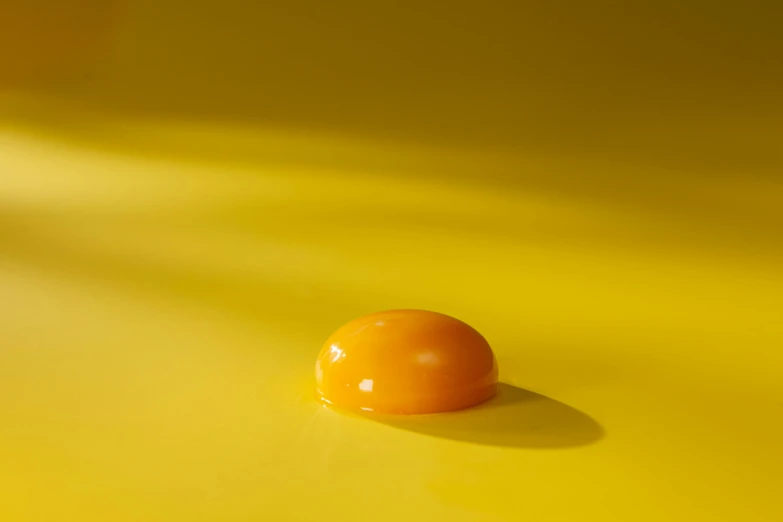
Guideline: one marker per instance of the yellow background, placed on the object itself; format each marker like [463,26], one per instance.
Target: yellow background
[194,195]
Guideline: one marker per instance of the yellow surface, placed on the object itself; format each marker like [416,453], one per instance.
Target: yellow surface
[193,196]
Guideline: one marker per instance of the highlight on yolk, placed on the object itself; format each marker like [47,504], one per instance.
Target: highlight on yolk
[406,362]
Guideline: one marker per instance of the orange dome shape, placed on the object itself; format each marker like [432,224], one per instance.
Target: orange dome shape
[406,362]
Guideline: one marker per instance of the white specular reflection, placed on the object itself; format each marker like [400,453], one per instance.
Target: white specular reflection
[336,352]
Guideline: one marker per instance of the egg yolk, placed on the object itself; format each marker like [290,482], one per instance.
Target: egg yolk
[406,362]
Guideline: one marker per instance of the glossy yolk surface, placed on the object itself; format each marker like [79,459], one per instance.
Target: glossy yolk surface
[406,362]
